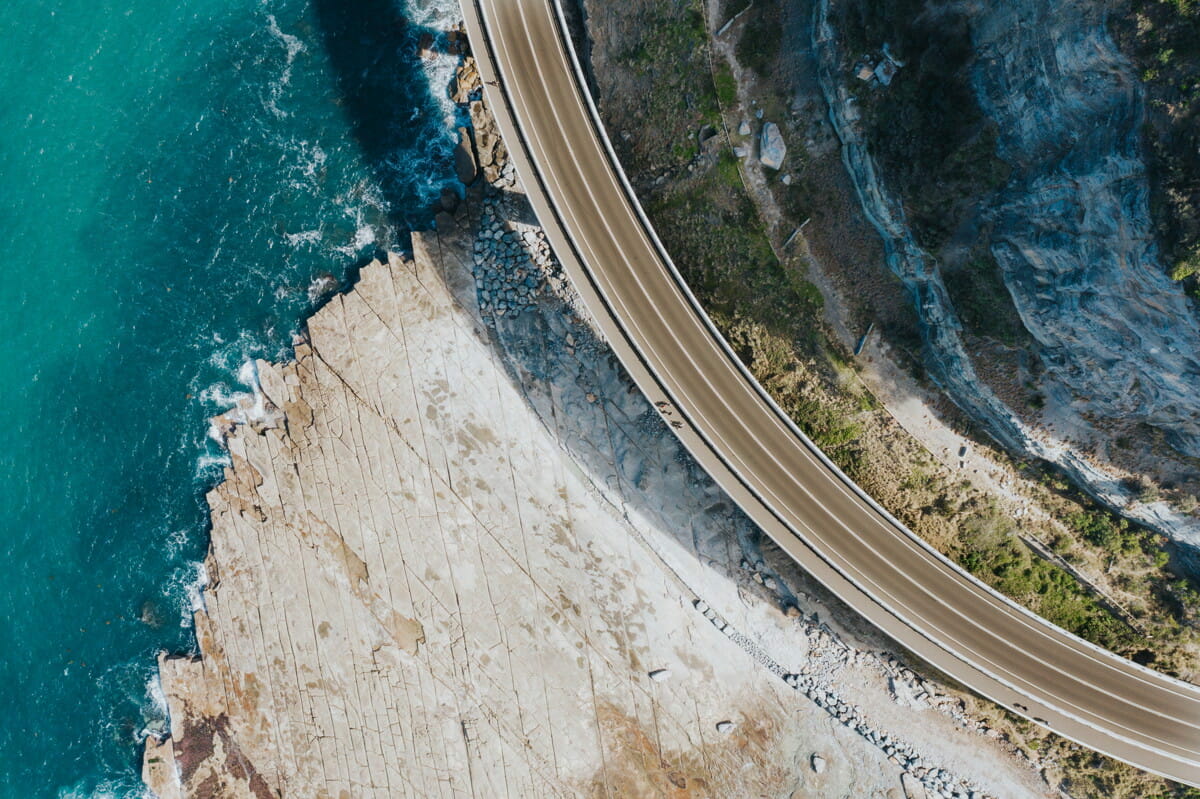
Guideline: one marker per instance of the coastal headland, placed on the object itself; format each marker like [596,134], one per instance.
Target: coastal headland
[456,553]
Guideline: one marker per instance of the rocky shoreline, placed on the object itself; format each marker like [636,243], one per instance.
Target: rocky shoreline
[458,554]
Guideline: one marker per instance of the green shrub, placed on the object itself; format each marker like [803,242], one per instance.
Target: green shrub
[1188,265]
[1101,529]
[761,38]
[727,168]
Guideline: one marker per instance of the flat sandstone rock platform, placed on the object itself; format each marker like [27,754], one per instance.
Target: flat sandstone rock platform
[414,594]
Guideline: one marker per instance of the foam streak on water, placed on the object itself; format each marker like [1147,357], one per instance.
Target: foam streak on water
[207,182]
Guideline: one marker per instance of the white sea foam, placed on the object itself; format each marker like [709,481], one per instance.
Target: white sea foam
[106,790]
[294,47]
[364,236]
[155,711]
[367,207]
[321,286]
[207,465]
[304,238]
[305,168]
[228,356]
[177,540]
[240,407]
[314,159]
[186,591]
[438,15]
[219,395]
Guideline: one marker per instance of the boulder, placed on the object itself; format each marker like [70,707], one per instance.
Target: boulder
[489,149]
[426,46]
[913,789]
[464,158]
[466,81]
[456,41]
[818,763]
[771,149]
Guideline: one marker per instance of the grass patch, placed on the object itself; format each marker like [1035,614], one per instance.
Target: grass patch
[725,85]
[990,549]
[723,252]
[659,67]
[728,170]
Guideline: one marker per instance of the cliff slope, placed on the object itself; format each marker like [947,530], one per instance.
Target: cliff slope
[1070,230]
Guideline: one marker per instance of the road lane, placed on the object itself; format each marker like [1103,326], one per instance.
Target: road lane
[781,481]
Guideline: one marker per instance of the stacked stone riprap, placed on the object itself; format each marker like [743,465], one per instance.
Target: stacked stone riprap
[511,263]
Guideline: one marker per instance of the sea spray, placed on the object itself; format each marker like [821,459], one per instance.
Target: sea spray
[203,174]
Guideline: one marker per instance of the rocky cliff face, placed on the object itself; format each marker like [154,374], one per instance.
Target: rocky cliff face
[1072,231]
[1072,234]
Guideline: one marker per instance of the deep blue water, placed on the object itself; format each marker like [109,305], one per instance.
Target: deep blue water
[173,179]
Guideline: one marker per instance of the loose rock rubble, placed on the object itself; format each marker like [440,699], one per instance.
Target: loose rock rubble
[826,655]
[511,263]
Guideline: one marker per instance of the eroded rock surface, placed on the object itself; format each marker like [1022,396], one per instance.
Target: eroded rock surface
[1073,232]
[413,594]
[1067,246]
[416,591]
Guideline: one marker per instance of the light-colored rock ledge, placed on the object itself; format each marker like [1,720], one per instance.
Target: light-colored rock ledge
[459,556]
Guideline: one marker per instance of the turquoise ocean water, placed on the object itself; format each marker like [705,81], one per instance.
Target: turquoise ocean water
[173,179]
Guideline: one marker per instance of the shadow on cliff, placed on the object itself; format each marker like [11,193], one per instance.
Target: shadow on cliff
[581,393]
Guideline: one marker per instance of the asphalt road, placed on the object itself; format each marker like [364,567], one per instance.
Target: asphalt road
[778,478]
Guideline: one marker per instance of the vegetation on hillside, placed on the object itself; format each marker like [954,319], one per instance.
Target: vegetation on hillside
[771,315]
[1162,38]
[934,144]
[926,129]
